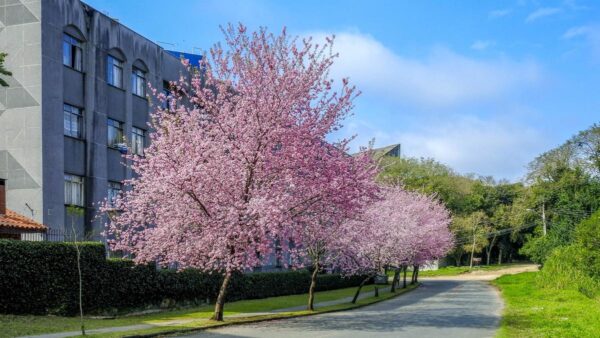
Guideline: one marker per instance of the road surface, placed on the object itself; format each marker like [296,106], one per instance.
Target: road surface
[439,308]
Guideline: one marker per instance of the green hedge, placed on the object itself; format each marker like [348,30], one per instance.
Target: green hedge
[41,278]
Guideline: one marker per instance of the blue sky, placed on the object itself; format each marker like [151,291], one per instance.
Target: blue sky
[482,86]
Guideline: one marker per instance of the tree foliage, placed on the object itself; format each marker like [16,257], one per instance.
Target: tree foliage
[3,70]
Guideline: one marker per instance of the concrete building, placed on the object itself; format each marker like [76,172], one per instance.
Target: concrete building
[77,100]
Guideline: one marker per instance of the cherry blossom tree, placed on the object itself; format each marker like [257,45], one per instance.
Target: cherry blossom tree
[431,238]
[406,228]
[238,154]
[323,234]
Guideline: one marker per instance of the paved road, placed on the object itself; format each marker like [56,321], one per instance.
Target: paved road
[440,308]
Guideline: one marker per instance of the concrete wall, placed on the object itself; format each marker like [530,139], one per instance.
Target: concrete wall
[20,110]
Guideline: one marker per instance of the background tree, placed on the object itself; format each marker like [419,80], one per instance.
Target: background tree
[564,184]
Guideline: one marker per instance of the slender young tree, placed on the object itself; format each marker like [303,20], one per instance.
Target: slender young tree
[74,212]
[232,157]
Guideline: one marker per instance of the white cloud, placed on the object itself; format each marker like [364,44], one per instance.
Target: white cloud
[469,144]
[482,44]
[442,78]
[591,33]
[542,12]
[498,13]
[576,31]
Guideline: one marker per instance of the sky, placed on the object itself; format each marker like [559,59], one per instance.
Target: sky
[482,86]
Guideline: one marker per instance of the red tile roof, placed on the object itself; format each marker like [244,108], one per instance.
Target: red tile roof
[17,221]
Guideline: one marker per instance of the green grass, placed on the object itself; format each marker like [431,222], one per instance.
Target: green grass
[456,270]
[536,312]
[191,318]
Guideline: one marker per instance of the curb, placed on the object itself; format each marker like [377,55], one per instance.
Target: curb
[258,319]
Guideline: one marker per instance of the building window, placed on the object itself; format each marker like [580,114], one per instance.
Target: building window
[166,104]
[115,133]
[73,190]
[72,121]
[72,52]
[137,141]
[114,75]
[114,190]
[138,82]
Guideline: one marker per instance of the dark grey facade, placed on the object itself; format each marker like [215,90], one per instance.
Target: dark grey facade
[37,149]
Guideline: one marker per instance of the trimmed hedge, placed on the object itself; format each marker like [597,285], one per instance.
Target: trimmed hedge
[41,278]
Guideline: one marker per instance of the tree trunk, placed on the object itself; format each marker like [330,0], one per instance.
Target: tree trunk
[472,252]
[218,315]
[417,274]
[360,287]
[499,255]
[488,251]
[311,290]
[80,289]
[395,280]
[414,274]
[405,268]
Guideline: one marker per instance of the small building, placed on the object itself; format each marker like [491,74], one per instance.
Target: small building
[17,226]
[392,150]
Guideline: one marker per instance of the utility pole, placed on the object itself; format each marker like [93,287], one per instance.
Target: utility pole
[544,217]
[472,250]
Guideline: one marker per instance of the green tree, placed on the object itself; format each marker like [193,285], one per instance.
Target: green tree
[3,70]
[565,189]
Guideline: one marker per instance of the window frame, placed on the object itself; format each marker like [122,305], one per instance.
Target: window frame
[74,47]
[138,75]
[69,109]
[112,123]
[113,63]
[138,133]
[71,181]
[113,190]
[166,104]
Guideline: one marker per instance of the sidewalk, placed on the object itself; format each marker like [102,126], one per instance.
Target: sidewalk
[382,290]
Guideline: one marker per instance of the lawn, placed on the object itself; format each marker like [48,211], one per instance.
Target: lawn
[183,319]
[534,312]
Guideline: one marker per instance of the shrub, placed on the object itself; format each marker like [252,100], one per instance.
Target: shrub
[576,266]
[41,278]
[566,269]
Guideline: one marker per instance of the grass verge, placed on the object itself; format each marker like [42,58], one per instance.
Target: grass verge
[190,319]
[536,312]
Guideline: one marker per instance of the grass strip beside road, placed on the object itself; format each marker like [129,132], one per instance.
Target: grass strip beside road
[536,312]
[191,318]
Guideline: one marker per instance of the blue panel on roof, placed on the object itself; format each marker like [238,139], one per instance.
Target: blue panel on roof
[193,58]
